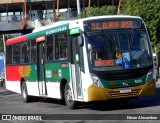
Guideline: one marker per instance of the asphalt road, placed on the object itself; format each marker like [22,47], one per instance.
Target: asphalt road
[12,104]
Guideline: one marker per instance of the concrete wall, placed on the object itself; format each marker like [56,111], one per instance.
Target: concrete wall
[15,26]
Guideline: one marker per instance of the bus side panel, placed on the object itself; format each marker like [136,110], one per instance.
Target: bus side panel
[13,78]
[30,74]
[86,83]
[16,73]
[54,73]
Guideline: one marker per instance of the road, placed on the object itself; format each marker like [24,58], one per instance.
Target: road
[11,103]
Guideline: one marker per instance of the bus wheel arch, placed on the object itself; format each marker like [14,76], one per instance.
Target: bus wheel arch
[62,87]
[26,98]
[21,81]
[70,103]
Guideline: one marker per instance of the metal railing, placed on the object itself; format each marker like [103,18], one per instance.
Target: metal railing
[32,17]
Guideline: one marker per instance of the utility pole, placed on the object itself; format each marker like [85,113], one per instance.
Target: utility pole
[119,7]
[89,4]
[57,9]
[4,44]
[78,7]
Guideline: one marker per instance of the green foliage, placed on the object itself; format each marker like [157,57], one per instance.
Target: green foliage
[98,11]
[1,44]
[149,10]
[7,36]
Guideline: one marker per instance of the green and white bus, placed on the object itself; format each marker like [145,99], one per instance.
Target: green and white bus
[91,59]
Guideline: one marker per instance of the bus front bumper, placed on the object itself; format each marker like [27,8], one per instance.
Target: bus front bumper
[98,94]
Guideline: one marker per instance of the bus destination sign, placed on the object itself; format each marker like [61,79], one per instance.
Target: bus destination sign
[113,24]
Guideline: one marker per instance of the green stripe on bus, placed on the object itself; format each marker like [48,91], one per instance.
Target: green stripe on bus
[120,83]
[54,72]
[32,73]
[48,31]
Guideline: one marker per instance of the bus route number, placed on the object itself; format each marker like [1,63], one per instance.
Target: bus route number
[95,25]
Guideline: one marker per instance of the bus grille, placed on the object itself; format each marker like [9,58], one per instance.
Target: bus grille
[117,94]
[122,74]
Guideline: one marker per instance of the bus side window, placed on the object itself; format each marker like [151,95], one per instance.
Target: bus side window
[61,50]
[25,52]
[33,51]
[16,53]
[50,48]
[9,54]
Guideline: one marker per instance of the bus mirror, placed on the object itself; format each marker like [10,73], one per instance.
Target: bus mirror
[80,41]
[75,31]
[89,47]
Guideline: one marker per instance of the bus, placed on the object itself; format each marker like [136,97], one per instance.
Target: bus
[84,60]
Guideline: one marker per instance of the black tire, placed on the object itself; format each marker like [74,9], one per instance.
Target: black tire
[70,103]
[3,83]
[26,98]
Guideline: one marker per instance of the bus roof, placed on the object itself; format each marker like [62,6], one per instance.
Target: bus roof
[59,26]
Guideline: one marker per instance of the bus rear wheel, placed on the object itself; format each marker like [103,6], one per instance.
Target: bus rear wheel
[25,96]
[70,103]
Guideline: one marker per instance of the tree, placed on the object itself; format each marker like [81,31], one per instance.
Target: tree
[7,36]
[98,11]
[1,44]
[149,10]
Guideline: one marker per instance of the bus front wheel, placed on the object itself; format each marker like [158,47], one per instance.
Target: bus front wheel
[25,96]
[70,103]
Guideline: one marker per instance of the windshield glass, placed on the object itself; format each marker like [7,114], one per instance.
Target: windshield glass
[117,50]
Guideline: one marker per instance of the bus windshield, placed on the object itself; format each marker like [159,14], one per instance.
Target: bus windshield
[118,49]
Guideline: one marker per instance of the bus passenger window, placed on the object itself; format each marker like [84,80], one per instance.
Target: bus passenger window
[25,52]
[61,49]
[50,48]
[16,54]
[9,54]
[33,51]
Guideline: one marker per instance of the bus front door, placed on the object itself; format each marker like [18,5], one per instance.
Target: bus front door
[76,74]
[41,69]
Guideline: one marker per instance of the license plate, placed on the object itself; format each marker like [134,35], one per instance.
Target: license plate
[125,90]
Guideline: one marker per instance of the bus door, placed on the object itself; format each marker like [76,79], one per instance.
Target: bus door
[41,69]
[75,66]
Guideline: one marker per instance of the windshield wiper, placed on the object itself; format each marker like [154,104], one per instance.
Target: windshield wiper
[131,43]
[112,40]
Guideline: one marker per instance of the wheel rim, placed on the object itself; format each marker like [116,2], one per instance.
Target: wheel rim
[23,93]
[69,98]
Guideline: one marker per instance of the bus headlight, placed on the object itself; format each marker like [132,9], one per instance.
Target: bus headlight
[96,81]
[149,77]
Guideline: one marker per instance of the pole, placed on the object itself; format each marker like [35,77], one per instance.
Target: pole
[119,7]
[78,7]
[54,10]
[25,11]
[89,4]
[4,44]
[97,3]
[68,8]
[57,9]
